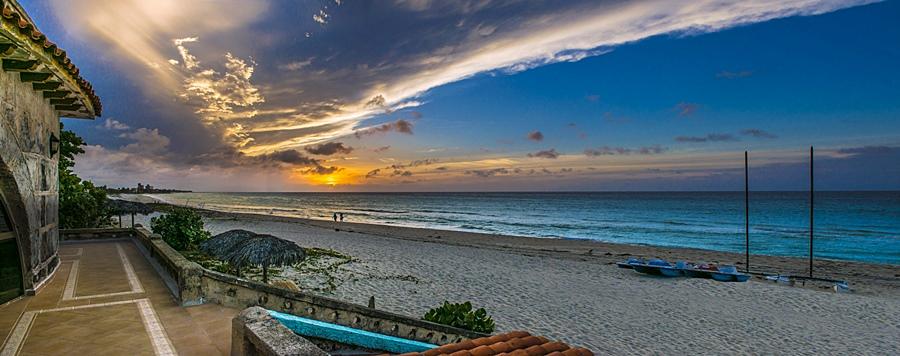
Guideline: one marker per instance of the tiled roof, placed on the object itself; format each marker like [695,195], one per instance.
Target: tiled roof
[512,343]
[12,15]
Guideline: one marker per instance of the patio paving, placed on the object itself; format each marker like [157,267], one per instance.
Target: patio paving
[106,299]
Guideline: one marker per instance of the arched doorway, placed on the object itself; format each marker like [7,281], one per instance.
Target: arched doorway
[10,266]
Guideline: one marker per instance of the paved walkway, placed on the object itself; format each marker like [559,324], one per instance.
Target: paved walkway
[106,299]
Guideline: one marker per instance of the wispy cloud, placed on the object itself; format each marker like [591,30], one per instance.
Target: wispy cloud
[713,137]
[609,151]
[113,124]
[734,75]
[686,109]
[549,154]
[757,133]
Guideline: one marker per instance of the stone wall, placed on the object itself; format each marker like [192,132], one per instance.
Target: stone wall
[192,284]
[28,176]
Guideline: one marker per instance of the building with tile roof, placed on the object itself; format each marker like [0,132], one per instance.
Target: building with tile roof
[512,343]
[38,85]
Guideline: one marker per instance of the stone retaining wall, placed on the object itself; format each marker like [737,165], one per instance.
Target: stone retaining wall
[194,284]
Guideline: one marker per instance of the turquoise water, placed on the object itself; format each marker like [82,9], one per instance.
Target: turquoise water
[861,226]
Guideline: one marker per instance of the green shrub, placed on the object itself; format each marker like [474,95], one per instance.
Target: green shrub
[461,316]
[181,228]
[81,204]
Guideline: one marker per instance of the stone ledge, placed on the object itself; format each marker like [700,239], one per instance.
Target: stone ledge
[255,332]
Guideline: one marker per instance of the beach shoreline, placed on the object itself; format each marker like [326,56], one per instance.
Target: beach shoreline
[864,278]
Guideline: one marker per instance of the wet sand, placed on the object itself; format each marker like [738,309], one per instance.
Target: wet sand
[571,290]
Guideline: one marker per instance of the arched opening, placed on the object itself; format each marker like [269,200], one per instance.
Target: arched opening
[10,265]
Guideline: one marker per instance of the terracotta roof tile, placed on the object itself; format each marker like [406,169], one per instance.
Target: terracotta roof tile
[11,15]
[513,343]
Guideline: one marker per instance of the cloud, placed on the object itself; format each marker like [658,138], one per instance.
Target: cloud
[239,106]
[400,126]
[686,109]
[609,151]
[549,154]
[381,149]
[592,98]
[216,94]
[713,137]
[113,124]
[536,136]
[320,170]
[147,141]
[292,157]
[321,17]
[733,75]
[373,173]
[757,133]
[485,173]
[295,65]
[327,149]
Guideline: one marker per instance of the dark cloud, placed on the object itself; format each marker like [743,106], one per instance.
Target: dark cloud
[609,151]
[401,126]
[376,102]
[713,137]
[549,154]
[328,149]
[733,75]
[686,109]
[442,168]
[401,173]
[484,173]
[373,173]
[292,157]
[610,118]
[758,133]
[535,136]
[381,149]
[402,170]
[321,170]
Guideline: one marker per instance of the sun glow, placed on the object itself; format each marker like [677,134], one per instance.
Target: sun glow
[341,177]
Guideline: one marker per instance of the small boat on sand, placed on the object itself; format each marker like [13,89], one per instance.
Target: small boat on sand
[730,274]
[658,267]
[630,262]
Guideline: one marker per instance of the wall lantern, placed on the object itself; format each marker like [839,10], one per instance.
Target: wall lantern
[54,145]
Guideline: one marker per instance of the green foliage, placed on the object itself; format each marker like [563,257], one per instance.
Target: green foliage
[461,315]
[81,204]
[181,228]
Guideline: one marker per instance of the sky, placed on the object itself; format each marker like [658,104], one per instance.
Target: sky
[480,95]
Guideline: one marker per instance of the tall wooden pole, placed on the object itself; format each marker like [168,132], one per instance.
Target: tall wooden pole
[747,209]
[811,207]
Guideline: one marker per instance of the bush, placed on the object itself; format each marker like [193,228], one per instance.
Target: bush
[461,316]
[182,228]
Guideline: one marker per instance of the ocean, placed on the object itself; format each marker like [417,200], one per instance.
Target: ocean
[858,226]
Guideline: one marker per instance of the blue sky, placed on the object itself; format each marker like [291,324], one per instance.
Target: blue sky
[440,96]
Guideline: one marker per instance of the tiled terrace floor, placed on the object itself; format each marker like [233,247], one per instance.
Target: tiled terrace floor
[106,299]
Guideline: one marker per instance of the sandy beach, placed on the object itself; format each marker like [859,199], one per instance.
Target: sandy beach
[571,290]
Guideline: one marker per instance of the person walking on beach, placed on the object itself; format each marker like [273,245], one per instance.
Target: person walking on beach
[334,217]
[342,217]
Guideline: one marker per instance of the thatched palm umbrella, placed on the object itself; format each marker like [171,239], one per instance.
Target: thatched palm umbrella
[265,251]
[120,207]
[221,244]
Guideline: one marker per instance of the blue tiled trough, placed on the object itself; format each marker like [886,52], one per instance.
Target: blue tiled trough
[349,336]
